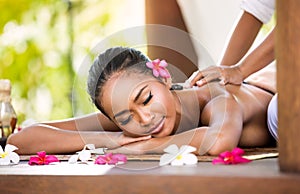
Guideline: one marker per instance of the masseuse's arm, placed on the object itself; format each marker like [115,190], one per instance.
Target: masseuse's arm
[239,44]
[241,39]
[223,132]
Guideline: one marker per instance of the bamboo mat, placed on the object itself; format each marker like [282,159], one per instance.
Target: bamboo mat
[251,153]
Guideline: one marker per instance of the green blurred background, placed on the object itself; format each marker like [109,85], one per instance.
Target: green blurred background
[46,49]
[43,43]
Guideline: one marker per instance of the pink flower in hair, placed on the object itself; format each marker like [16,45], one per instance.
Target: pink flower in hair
[159,68]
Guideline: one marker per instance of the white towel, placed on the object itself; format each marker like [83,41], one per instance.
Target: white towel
[261,9]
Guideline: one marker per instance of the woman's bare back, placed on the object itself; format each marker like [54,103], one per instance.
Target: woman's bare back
[253,102]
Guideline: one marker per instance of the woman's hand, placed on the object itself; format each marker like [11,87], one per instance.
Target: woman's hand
[226,74]
[149,146]
[117,139]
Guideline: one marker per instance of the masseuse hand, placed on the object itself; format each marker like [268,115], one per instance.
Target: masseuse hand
[226,74]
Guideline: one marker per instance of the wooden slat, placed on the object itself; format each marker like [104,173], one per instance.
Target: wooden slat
[288,71]
[147,177]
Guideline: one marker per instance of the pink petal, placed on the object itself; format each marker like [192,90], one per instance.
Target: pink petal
[41,154]
[101,160]
[240,160]
[225,154]
[49,159]
[164,73]
[155,73]
[35,160]
[112,161]
[218,161]
[108,155]
[150,65]
[237,151]
[156,62]
[163,63]
[120,157]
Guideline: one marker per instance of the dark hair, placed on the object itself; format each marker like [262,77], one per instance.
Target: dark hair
[113,60]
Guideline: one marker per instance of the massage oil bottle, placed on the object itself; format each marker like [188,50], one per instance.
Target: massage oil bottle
[8,117]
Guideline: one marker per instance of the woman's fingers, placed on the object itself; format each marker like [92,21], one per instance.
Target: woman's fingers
[127,139]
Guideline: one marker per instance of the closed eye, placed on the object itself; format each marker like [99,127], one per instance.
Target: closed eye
[124,122]
[148,99]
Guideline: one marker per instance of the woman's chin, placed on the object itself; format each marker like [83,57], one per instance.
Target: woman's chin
[162,133]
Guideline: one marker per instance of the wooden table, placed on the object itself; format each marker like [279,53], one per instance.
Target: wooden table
[261,176]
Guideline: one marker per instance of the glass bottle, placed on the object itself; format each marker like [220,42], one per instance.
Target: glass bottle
[8,117]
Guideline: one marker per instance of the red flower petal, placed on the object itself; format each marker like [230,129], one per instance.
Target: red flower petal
[41,154]
[120,157]
[101,160]
[35,160]
[218,161]
[240,160]
[49,159]
[42,159]
[233,157]
[225,154]
[237,151]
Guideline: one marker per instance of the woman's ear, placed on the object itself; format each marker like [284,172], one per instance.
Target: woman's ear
[168,81]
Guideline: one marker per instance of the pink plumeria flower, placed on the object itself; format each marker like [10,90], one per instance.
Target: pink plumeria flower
[233,157]
[159,68]
[42,159]
[111,159]
[8,155]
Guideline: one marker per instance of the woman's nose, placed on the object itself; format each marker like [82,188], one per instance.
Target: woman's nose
[145,117]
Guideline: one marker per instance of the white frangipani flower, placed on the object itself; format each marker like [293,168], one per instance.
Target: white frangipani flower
[9,155]
[178,157]
[86,154]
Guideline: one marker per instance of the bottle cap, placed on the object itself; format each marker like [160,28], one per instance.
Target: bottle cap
[5,85]
[5,89]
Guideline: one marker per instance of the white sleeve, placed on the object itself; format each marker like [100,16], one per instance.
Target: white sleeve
[261,9]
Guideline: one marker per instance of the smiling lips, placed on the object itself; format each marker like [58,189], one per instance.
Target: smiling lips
[157,128]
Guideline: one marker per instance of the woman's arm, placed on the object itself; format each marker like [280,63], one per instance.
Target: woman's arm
[54,140]
[223,132]
[90,122]
[70,135]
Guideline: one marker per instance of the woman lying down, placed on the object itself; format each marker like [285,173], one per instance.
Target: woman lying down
[140,114]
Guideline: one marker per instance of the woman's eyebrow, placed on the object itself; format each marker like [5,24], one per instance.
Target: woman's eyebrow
[135,99]
[120,113]
[139,94]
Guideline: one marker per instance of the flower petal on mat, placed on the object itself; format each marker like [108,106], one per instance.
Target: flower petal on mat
[190,159]
[14,157]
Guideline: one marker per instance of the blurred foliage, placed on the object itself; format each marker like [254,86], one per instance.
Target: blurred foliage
[42,45]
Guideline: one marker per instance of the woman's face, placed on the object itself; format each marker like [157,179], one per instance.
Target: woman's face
[140,105]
